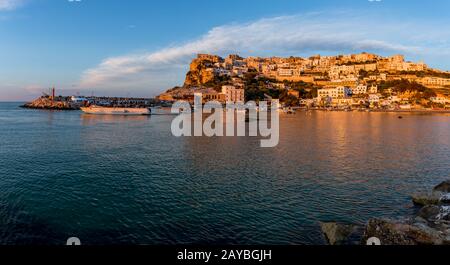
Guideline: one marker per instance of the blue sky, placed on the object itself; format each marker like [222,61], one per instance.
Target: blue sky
[141,48]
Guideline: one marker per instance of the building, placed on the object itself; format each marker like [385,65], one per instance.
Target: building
[434,81]
[374,99]
[440,100]
[77,99]
[233,94]
[359,89]
[214,96]
[334,92]
[285,72]
[373,89]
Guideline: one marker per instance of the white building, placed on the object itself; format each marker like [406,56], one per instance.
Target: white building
[337,92]
[440,100]
[435,81]
[285,72]
[394,99]
[360,89]
[373,99]
[78,99]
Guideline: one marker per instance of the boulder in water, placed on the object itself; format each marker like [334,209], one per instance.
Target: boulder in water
[429,212]
[424,199]
[443,187]
[403,233]
[341,234]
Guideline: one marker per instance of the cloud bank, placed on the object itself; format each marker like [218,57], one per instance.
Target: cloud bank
[282,36]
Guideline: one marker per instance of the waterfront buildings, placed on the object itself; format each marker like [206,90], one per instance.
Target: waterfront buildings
[434,81]
[355,79]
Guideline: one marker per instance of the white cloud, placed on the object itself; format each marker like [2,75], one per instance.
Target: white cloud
[8,5]
[286,35]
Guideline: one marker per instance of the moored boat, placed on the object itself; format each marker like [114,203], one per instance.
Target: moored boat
[99,110]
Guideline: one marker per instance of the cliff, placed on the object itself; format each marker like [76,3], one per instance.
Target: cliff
[201,71]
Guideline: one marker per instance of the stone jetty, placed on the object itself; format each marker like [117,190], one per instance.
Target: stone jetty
[75,103]
[48,103]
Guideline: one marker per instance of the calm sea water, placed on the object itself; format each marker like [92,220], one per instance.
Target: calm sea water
[127,180]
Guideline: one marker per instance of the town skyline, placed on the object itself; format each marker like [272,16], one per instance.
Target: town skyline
[130,57]
[364,81]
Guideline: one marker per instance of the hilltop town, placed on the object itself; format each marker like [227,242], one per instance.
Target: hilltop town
[362,80]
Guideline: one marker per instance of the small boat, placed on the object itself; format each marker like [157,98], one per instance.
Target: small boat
[99,110]
[289,111]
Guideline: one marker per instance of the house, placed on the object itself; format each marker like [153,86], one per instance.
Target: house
[358,90]
[233,94]
[373,99]
[334,92]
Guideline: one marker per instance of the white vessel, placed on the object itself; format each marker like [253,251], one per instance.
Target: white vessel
[115,110]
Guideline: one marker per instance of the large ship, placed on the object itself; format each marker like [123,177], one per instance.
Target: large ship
[99,110]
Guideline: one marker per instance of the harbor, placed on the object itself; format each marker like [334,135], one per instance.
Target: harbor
[115,180]
[53,102]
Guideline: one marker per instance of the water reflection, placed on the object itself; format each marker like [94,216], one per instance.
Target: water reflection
[91,119]
[128,180]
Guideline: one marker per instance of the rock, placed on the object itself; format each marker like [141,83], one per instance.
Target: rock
[445,199]
[201,71]
[443,187]
[444,213]
[402,233]
[426,199]
[47,103]
[341,234]
[418,220]
[429,212]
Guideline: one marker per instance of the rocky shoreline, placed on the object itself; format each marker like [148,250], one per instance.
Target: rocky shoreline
[48,104]
[430,226]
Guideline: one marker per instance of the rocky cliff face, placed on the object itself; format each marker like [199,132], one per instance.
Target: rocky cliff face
[201,71]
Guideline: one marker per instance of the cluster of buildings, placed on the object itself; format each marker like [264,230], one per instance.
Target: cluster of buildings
[367,96]
[342,96]
[344,79]
[316,68]
[228,93]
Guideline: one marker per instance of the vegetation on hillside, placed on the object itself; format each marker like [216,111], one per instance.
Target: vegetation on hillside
[405,86]
[258,87]
[426,73]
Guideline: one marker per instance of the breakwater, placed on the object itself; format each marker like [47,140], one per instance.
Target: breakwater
[72,103]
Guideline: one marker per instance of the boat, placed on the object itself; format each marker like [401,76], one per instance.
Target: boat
[288,111]
[99,110]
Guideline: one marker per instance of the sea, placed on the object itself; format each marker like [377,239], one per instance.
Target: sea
[118,180]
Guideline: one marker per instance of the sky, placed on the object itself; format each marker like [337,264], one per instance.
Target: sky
[140,48]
